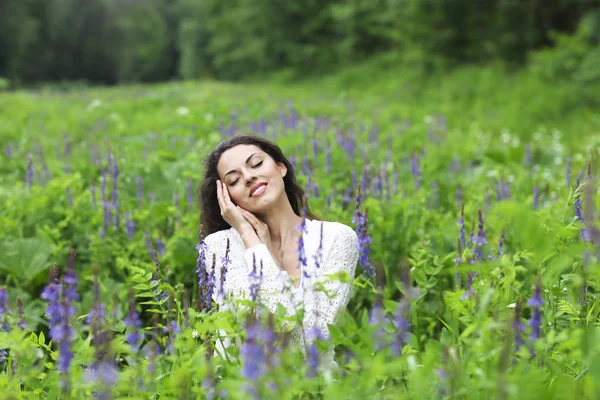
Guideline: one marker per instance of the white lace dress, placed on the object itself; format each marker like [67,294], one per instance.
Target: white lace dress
[321,296]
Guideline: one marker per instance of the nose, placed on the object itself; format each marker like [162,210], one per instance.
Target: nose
[249,177]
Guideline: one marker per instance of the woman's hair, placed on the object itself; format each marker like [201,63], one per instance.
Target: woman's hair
[210,212]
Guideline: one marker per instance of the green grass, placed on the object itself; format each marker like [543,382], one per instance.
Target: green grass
[161,134]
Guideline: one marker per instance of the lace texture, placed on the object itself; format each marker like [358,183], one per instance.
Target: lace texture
[320,293]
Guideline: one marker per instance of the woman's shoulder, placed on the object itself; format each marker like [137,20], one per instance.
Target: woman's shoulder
[220,237]
[336,231]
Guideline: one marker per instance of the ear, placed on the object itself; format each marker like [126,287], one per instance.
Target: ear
[282,169]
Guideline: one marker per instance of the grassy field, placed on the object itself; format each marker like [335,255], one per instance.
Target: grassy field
[504,303]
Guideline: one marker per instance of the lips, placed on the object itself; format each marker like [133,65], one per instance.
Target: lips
[256,187]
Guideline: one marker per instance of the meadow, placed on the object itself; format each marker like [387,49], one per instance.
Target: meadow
[474,194]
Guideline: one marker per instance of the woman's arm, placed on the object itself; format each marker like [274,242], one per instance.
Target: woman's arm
[329,295]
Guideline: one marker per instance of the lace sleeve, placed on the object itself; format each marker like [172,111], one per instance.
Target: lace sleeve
[330,295]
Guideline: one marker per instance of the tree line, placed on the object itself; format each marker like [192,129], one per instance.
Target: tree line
[122,41]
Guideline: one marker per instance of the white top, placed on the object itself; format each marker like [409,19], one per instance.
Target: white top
[339,253]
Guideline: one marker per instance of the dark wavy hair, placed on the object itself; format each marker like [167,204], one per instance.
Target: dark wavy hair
[210,212]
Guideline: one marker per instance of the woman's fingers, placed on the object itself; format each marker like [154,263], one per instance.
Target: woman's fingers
[220,195]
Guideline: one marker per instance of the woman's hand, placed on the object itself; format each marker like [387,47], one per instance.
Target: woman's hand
[230,212]
[262,230]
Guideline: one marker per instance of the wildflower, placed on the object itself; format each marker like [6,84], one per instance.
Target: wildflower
[469,293]
[518,328]
[51,294]
[328,160]
[528,154]
[129,226]
[225,262]
[536,196]
[376,320]
[364,241]
[133,322]
[63,334]
[302,262]
[98,312]
[21,323]
[415,170]
[577,205]
[479,240]
[148,244]
[457,260]
[255,279]
[140,193]
[313,352]
[70,279]
[160,246]
[29,170]
[461,224]
[402,325]
[505,189]
[536,302]
[253,355]
[319,256]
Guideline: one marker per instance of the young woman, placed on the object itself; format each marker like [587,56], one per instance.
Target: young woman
[250,200]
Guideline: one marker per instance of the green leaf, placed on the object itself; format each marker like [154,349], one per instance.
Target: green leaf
[42,338]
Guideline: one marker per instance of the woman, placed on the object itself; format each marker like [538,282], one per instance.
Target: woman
[252,210]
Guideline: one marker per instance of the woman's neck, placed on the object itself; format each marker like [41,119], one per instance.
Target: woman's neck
[282,222]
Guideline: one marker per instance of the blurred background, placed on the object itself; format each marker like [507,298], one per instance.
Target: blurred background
[124,41]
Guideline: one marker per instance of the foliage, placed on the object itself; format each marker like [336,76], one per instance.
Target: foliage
[117,41]
[426,326]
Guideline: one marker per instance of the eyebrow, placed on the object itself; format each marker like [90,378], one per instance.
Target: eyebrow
[233,170]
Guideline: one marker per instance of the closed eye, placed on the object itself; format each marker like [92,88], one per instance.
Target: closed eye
[258,164]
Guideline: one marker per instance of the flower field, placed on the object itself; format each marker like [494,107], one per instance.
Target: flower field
[479,245]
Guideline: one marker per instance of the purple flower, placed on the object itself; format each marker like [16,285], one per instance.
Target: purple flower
[255,279]
[469,286]
[536,196]
[129,226]
[160,247]
[376,320]
[314,356]
[70,280]
[225,262]
[577,205]
[319,256]
[518,328]
[3,300]
[29,170]
[461,224]
[302,262]
[252,353]
[205,279]
[21,323]
[149,245]
[140,193]
[364,240]
[51,294]
[134,323]
[528,154]
[402,325]
[536,302]
[415,170]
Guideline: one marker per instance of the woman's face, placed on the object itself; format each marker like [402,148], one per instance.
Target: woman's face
[253,179]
